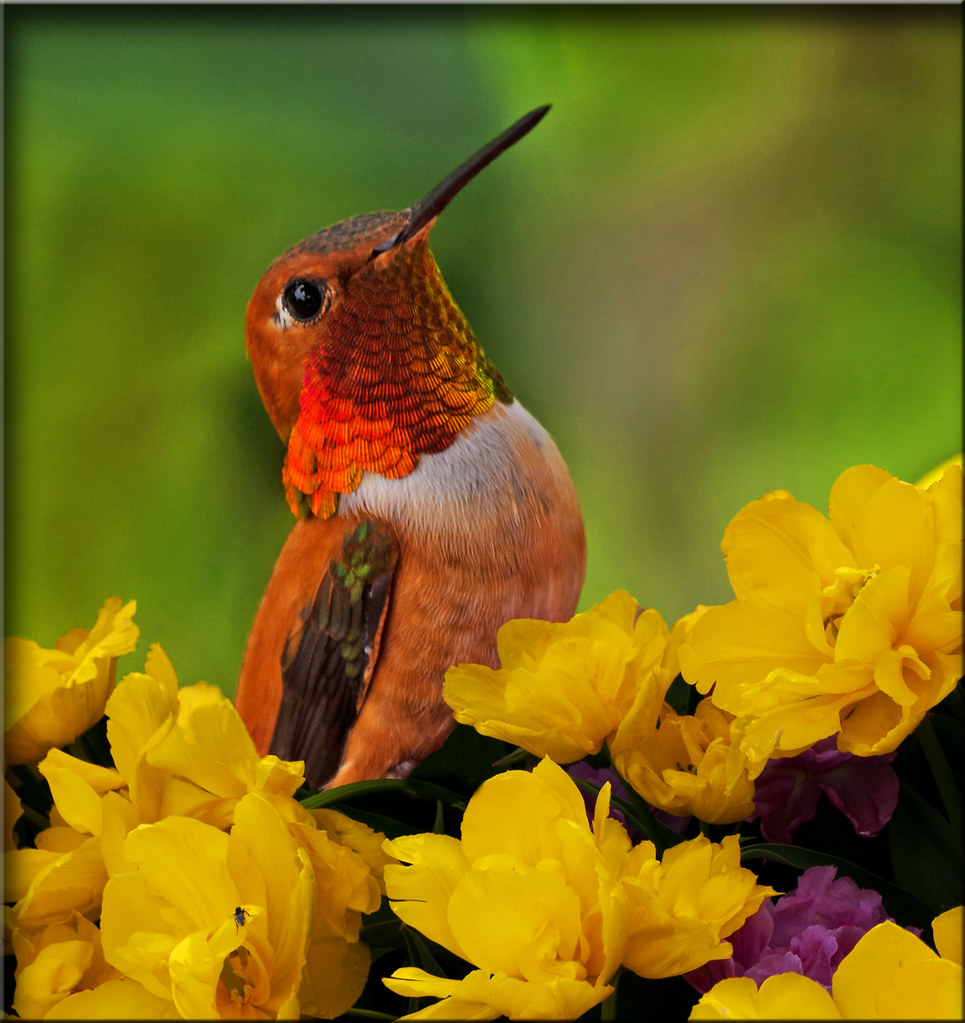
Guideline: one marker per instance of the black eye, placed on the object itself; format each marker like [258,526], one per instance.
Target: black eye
[304,300]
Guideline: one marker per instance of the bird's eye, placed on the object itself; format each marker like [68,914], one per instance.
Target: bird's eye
[304,300]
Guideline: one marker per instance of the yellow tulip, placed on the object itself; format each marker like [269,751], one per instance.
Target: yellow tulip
[55,884]
[184,750]
[848,625]
[195,920]
[681,908]
[529,895]
[53,696]
[548,906]
[686,765]
[563,687]
[217,924]
[55,961]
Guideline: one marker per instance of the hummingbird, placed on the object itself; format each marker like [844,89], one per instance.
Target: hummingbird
[431,506]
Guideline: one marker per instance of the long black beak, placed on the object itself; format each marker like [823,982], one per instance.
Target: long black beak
[436,200]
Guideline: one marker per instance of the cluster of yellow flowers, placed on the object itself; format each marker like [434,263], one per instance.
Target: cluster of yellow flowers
[549,907]
[849,625]
[217,893]
[186,880]
[846,626]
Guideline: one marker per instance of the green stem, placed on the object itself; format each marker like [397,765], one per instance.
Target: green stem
[39,821]
[942,773]
[439,824]
[515,758]
[608,1010]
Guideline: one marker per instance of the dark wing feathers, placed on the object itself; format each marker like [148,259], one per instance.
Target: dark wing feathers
[330,653]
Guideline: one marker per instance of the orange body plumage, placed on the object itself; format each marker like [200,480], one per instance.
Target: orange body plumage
[432,506]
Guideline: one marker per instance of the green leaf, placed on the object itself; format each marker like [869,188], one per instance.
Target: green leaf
[904,905]
[420,953]
[926,853]
[382,931]
[948,788]
[399,786]
[466,759]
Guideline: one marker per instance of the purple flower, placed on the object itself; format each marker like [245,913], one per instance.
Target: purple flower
[808,931]
[786,795]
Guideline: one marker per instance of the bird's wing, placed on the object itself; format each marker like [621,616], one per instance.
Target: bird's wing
[331,651]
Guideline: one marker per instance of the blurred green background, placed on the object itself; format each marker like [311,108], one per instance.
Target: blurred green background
[728,261]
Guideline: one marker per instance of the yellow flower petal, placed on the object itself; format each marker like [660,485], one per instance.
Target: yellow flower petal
[176,883]
[55,970]
[120,998]
[184,751]
[171,919]
[517,814]
[345,887]
[204,710]
[66,882]
[784,996]
[892,974]
[779,552]
[277,874]
[947,929]
[946,497]
[885,522]
[412,982]
[141,710]
[737,645]
[480,995]
[518,921]
[423,889]
[77,787]
[334,976]
[53,696]
[354,835]
[199,961]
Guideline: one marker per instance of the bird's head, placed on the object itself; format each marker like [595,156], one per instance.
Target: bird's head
[362,358]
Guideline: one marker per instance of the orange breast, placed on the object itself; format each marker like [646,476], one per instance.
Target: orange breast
[488,530]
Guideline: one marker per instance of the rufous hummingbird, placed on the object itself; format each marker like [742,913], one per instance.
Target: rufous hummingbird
[432,507]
